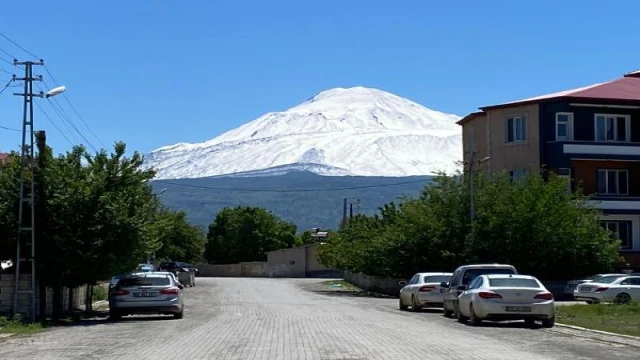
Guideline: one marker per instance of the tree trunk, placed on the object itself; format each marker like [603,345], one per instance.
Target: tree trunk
[57,301]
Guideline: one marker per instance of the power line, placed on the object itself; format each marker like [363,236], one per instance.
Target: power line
[75,110]
[8,128]
[6,86]
[18,46]
[290,190]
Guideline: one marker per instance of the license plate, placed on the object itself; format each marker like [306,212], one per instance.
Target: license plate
[518,308]
[144,294]
[586,288]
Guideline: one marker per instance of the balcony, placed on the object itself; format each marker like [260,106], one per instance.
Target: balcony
[559,153]
[618,204]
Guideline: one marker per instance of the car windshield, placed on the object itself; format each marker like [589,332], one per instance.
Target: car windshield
[513,283]
[606,279]
[471,274]
[436,279]
[144,281]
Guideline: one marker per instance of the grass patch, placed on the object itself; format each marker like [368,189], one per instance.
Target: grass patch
[620,319]
[99,292]
[15,325]
[341,285]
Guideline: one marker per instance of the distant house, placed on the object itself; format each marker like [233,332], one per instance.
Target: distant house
[4,158]
[590,135]
[318,236]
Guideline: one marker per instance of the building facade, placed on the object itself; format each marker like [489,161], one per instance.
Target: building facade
[590,135]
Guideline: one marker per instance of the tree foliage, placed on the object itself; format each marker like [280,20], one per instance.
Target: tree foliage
[246,234]
[98,216]
[533,224]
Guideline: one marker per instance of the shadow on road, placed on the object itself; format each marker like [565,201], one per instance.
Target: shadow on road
[102,318]
[352,294]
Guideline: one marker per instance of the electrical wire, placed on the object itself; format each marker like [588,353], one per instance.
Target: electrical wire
[59,110]
[8,128]
[54,124]
[6,86]
[290,190]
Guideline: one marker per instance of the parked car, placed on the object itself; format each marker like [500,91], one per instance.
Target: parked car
[573,284]
[189,267]
[146,293]
[177,266]
[423,290]
[506,297]
[620,290]
[464,275]
[146,268]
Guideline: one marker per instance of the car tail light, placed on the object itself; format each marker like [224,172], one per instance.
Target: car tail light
[426,288]
[489,295]
[170,291]
[120,292]
[544,296]
[602,288]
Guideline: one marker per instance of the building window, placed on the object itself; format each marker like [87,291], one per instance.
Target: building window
[518,174]
[612,128]
[613,182]
[565,173]
[516,129]
[564,126]
[620,230]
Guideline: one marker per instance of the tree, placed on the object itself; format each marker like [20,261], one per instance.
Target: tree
[178,239]
[533,224]
[246,234]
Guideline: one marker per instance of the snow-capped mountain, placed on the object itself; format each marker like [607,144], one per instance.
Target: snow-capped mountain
[355,131]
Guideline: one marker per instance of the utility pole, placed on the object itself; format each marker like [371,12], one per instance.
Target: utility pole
[344,212]
[41,221]
[472,179]
[26,208]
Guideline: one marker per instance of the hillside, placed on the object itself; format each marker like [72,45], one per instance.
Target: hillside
[203,198]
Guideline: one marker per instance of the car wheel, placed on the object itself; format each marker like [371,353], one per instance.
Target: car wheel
[474,320]
[179,315]
[414,305]
[529,322]
[623,298]
[115,315]
[461,318]
[401,305]
[549,323]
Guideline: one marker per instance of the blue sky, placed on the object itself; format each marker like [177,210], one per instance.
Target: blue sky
[154,73]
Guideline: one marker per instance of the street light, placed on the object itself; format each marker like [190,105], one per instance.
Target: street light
[472,181]
[56,91]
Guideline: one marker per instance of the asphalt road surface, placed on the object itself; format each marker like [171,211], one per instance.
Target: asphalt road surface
[241,318]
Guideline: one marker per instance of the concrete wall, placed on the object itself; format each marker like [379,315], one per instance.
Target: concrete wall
[386,286]
[6,296]
[295,262]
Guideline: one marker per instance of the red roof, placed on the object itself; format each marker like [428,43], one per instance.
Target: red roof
[3,157]
[626,88]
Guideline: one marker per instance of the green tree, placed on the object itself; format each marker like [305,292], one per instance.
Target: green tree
[246,234]
[178,239]
[533,224]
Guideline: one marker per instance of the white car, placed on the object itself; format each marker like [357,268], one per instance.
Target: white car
[423,290]
[621,290]
[573,284]
[506,297]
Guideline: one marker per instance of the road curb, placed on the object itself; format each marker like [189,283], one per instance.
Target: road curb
[635,339]
[598,331]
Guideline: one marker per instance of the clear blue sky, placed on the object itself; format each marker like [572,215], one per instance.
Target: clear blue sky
[154,73]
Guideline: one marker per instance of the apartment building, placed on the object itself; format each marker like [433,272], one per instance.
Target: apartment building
[590,134]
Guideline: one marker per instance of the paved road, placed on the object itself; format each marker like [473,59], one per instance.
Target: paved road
[282,319]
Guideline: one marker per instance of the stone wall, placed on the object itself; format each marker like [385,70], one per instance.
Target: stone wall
[386,286]
[295,262]
[6,296]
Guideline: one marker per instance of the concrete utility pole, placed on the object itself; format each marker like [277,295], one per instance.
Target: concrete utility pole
[41,214]
[26,208]
[472,177]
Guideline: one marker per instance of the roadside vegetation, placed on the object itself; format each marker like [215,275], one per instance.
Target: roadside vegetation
[620,319]
[533,224]
[14,325]
[97,216]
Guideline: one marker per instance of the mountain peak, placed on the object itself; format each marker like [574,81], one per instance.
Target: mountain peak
[345,131]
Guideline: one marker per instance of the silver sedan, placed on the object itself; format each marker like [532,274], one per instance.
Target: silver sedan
[506,297]
[147,293]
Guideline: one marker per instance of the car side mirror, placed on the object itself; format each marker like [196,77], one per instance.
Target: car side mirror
[462,288]
[402,283]
[180,286]
[444,284]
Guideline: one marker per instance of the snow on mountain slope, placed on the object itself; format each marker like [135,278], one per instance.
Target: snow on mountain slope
[354,131]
